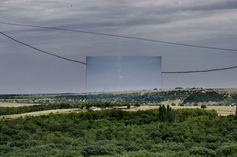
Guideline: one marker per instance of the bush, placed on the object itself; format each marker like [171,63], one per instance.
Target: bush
[115,133]
[228,150]
[100,150]
[173,104]
[201,151]
[137,105]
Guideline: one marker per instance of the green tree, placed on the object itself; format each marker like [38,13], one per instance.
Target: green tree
[228,150]
[166,114]
[203,152]
[236,109]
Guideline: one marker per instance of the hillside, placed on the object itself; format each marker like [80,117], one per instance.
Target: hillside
[177,96]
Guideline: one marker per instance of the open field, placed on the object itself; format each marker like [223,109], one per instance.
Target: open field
[221,110]
[8,104]
[228,90]
[40,113]
[220,100]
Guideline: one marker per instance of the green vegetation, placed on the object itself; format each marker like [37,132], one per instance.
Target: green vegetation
[189,96]
[204,97]
[26,109]
[109,133]
[155,133]
[139,97]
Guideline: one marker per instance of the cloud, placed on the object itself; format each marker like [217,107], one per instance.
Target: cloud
[211,22]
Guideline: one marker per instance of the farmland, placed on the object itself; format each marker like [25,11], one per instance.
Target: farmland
[8,104]
[221,100]
[221,110]
[39,113]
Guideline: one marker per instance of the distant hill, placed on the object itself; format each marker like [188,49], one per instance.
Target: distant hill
[190,96]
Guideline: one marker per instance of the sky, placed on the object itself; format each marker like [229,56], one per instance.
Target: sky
[122,73]
[201,22]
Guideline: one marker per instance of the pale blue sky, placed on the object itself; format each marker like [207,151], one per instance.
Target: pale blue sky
[119,73]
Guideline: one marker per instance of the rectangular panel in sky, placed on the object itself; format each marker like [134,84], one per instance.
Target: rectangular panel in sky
[122,73]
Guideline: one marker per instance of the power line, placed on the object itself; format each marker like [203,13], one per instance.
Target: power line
[80,62]
[200,71]
[122,36]
[42,51]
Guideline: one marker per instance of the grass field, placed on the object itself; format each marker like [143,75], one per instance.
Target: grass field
[8,104]
[221,110]
[40,113]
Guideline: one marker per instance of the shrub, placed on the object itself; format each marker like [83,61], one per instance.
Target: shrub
[228,150]
[137,105]
[100,150]
[201,151]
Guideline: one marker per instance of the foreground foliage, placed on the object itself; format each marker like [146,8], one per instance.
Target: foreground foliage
[154,133]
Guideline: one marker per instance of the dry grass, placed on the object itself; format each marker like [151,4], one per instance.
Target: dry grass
[221,110]
[40,113]
[221,90]
[228,90]
[168,102]
[8,104]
